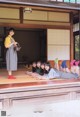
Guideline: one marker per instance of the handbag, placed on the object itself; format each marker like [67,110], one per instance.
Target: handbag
[17,47]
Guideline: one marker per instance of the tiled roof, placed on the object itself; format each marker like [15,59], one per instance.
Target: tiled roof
[44,3]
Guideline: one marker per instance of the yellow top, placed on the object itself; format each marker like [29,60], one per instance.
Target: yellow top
[7,41]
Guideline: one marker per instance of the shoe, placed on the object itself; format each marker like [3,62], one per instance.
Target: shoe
[11,77]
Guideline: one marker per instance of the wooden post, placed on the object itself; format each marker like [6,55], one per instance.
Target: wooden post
[21,15]
[79,35]
[71,38]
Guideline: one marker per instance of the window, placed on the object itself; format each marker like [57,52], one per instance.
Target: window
[60,0]
[71,1]
[68,1]
[78,1]
[76,27]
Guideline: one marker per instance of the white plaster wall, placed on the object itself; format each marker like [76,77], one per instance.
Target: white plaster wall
[58,44]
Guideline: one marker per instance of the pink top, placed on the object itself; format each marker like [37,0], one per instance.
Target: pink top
[72,62]
[76,63]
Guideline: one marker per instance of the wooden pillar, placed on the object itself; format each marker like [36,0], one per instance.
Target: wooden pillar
[79,34]
[71,37]
[21,15]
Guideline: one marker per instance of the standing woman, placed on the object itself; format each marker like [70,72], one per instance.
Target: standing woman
[11,54]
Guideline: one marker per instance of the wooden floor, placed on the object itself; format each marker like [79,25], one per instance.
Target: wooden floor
[25,80]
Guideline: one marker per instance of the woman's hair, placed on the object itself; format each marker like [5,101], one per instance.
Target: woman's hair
[42,63]
[38,62]
[76,63]
[47,64]
[42,70]
[11,29]
[34,63]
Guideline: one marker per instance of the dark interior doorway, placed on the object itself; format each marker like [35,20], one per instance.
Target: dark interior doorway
[32,41]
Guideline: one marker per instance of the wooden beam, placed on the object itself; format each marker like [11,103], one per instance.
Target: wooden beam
[39,8]
[39,26]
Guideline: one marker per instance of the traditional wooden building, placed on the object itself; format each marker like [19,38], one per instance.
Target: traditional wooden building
[46,29]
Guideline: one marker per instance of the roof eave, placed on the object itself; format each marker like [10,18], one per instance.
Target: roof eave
[41,5]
